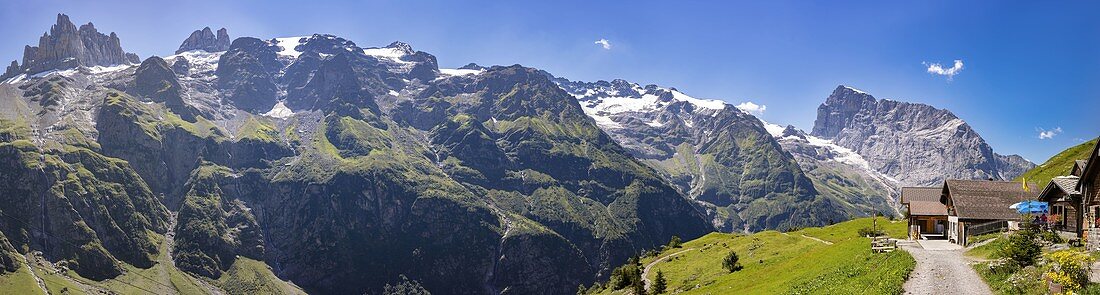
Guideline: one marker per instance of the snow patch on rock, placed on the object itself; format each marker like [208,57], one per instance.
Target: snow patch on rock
[460,72]
[393,54]
[287,44]
[279,111]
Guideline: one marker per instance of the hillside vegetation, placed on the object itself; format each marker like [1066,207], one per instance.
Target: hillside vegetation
[245,276]
[1059,164]
[825,260]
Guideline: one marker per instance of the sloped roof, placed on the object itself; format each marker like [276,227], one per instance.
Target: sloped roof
[1068,184]
[931,194]
[1090,170]
[985,199]
[1064,184]
[1078,165]
[927,208]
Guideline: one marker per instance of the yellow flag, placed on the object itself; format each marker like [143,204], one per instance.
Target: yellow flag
[1023,182]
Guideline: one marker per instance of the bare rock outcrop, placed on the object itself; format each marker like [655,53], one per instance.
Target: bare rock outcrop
[206,40]
[66,46]
[916,144]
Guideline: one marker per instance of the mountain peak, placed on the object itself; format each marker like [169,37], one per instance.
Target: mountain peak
[895,137]
[62,22]
[66,46]
[472,66]
[206,40]
[401,46]
[847,88]
[792,131]
[845,92]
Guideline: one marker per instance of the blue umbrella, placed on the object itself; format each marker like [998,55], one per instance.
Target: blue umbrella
[1033,207]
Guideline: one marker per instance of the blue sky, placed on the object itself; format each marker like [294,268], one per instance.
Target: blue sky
[1028,66]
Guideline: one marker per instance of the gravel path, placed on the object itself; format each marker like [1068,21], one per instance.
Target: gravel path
[941,271]
[819,240]
[645,272]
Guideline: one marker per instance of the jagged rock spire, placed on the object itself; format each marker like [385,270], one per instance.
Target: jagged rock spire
[66,46]
[206,40]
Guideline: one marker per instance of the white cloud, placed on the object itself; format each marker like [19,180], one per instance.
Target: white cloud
[752,108]
[604,43]
[938,69]
[1048,134]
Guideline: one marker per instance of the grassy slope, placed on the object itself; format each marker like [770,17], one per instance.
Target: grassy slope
[780,263]
[248,276]
[19,282]
[1059,164]
[988,250]
[245,276]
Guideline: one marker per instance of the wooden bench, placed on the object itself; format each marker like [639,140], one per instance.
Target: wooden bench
[883,244]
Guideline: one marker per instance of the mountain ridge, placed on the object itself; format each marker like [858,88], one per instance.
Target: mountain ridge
[263,147]
[345,168]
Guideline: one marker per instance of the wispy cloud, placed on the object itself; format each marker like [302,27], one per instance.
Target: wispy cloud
[1048,134]
[752,108]
[604,43]
[938,69]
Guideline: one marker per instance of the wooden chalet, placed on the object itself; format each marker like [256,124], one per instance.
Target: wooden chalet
[1089,187]
[1065,205]
[977,207]
[927,216]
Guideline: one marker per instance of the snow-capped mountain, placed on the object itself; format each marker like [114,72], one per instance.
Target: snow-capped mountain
[718,155]
[338,167]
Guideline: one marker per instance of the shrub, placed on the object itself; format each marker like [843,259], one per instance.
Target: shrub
[1051,237]
[1022,248]
[1025,281]
[1006,267]
[675,242]
[869,232]
[1005,277]
[731,263]
[1071,269]
[628,275]
[405,287]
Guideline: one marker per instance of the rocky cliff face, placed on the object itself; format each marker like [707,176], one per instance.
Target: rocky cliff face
[914,143]
[246,74]
[76,205]
[206,40]
[66,46]
[156,82]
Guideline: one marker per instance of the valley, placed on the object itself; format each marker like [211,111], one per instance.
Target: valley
[314,165]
